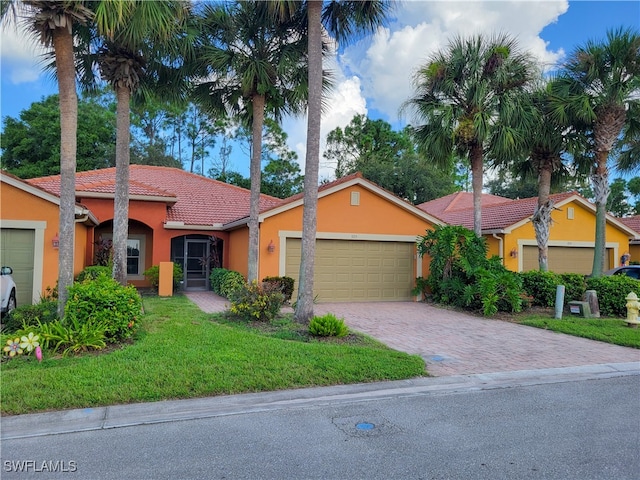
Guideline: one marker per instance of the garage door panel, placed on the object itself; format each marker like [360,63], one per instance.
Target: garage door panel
[17,250]
[563,259]
[354,270]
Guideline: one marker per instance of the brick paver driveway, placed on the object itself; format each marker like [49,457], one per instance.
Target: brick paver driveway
[456,343]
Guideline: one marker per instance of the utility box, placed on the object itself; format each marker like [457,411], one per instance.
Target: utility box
[579,309]
[165,279]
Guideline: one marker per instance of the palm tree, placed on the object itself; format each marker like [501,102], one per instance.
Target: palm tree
[599,88]
[344,20]
[467,97]
[132,35]
[543,145]
[53,22]
[254,62]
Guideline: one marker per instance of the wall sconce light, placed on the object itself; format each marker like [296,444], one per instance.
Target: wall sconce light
[514,253]
[55,241]
[271,247]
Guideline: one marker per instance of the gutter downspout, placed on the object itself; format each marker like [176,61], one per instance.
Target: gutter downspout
[500,247]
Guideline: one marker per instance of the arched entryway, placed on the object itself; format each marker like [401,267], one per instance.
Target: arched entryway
[197,255]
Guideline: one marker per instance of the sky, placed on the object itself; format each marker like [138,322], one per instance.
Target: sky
[374,75]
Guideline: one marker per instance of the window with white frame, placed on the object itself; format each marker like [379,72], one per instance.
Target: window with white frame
[135,256]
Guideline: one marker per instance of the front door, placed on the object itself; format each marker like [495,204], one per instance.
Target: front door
[196,261]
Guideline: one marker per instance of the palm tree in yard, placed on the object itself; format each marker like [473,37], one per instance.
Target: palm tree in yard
[343,20]
[133,36]
[467,101]
[544,144]
[53,22]
[599,88]
[253,62]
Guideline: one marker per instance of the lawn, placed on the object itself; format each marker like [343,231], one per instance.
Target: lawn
[610,330]
[181,352]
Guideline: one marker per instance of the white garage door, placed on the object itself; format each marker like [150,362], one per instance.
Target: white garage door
[17,249]
[563,259]
[350,270]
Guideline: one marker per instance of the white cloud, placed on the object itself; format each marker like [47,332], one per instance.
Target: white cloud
[344,102]
[387,62]
[20,54]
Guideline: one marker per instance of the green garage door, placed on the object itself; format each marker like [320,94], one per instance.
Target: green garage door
[17,248]
[359,271]
[563,259]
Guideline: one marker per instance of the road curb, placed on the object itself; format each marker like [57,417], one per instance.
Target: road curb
[117,416]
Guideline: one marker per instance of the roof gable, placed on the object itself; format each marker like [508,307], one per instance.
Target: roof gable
[341,184]
[510,214]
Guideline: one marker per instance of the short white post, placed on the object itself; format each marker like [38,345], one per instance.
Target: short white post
[559,301]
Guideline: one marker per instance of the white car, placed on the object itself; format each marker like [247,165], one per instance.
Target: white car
[8,290]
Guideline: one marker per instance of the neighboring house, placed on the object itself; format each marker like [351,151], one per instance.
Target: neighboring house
[634,245]
[366,241]
[173,216]
[29,226]
[366,248]
[506,224]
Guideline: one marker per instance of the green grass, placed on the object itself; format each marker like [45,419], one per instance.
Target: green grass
[610,330]
[180,352]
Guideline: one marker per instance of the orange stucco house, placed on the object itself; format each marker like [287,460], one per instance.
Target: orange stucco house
[29,226]
[365,247]
[506,224]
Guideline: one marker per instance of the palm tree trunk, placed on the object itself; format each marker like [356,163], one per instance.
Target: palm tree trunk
[68,98]
[600,182]
[542,218]
[121,200]
[258,104]
[476,185]
[304,304]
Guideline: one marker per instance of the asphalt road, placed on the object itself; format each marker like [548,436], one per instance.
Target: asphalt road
[587,429]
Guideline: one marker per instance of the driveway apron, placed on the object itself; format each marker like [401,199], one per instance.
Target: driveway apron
[455,343]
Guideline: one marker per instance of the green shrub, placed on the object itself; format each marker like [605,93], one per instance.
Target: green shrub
[104,301]
[462,275]
[574,286]
[328,326]
[216,278]
[93,272]
[224,281]
[285,284]
[256,301]
[73,336]
[30,315]
[232,281]
[152,274]
[612,292]
[542,286]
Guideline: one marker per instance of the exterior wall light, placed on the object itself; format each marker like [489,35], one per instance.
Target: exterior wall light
[55,241]
[514,253]
[271,247]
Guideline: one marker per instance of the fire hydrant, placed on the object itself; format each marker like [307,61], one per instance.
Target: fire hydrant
[633,307]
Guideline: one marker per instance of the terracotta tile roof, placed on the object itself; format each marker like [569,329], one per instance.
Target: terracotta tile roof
[632,222]
[459,201]
[497,215]
[198,200]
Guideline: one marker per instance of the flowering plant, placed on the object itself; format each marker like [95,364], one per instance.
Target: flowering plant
[13,347]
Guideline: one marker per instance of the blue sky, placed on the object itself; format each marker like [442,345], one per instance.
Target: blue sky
[374,74]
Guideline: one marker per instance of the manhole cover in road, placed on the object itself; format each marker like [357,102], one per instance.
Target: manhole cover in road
[365,425]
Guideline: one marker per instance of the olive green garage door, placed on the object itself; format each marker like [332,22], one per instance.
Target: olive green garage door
[17,248]
[357,270]
[563,259]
